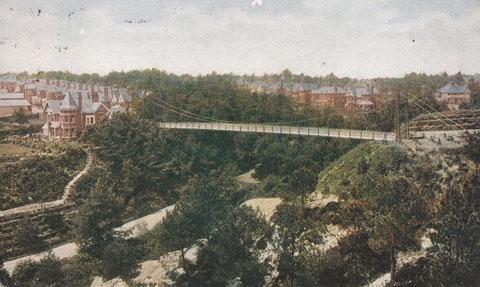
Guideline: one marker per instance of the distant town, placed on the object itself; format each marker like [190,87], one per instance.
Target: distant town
[66,106]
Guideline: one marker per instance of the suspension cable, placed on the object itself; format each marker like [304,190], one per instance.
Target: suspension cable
[436,111]
[173,111]
[191,113]
[429,112]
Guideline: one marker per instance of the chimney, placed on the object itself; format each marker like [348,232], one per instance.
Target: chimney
[106,100]
[79,101]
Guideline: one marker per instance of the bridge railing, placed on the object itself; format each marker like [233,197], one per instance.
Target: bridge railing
[278,129]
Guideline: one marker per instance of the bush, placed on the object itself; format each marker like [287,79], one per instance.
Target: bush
[120,258]
[47,272]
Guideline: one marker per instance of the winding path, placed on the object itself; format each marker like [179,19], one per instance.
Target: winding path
[69,250]
[69,188]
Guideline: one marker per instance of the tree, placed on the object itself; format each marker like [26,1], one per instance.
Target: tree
[4,276]
[297,236]
[119,258]
[19,116]
[472,148]
[26,235]
[397,213]
[46,272]
[457,234]
[301,183]
[95,220]
[201,205]
[233,250]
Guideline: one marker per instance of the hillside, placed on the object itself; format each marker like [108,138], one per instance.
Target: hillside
[339,174]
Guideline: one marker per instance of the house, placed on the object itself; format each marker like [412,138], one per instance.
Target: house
[8,82]
[453,95]
[363,98]
[302,93]
[68,117]
[13,102]
[328,97]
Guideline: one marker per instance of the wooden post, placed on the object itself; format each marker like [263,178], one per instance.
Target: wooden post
[397,119]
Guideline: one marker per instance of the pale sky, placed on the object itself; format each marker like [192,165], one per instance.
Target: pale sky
[353,38]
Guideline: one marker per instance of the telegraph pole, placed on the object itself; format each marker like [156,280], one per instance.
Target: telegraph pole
[397,119]
[407,127]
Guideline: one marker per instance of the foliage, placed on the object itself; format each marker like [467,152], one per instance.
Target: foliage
[298,238]
[204,201]
[38,179]
[472,148]
[27,235]
[19,116]
[120,258]
[232,251]
[338,175]
[46,272]
[95,220]
[457,235]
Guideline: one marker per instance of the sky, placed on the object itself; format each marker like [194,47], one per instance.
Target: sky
[354,38]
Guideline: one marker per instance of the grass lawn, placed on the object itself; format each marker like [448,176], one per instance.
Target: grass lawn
[6,149]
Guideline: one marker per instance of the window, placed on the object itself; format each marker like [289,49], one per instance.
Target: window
[90,120]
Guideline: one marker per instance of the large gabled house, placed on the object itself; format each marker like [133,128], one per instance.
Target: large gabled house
[328,97]
[363,98]
[68,117]
[453,95]
[302,93]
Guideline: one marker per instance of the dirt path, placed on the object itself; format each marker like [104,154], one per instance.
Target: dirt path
[69,188]
[266,205]
[68,250]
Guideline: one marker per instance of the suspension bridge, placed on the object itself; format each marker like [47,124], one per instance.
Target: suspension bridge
[444,122]
[280,129]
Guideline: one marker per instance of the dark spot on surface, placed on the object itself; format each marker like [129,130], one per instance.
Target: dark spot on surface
[70,14]
[60,49]
[39,12]
[128,21]
[413,40]
[323,63]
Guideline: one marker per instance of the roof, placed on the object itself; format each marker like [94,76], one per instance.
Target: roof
[68,102]
[360,91]
[14,103]
[304,87]
[452,88]
[97,105]
[330,90]
[87,106]
[124,94]
[8,78]
[11,96]
[54,105]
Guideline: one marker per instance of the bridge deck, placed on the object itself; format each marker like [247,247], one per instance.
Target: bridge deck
[287,130]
